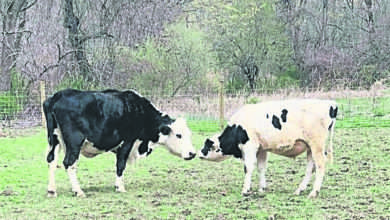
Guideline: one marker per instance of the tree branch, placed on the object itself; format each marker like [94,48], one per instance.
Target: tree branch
[17,32]
[96,36]
[29,6]
[60,57]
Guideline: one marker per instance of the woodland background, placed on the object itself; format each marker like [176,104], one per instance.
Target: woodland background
[202,59]
[184,46]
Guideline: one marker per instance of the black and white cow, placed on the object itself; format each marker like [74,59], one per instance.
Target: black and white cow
[123,122]
[287,128]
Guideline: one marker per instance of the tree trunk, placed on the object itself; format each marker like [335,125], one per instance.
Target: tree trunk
[370,15]
[13,29]
[76,41]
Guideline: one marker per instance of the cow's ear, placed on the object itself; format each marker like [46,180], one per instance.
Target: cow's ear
[165,130]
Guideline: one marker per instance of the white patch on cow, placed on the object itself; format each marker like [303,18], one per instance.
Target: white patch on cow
[72,170]
[135,155]
[119,184]
[88,149]
[162,139]
[58,132]
[178,141]
[119,145]
[51,188]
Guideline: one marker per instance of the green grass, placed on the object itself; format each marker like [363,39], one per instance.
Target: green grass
[204,125]
[163,186]
[364,112]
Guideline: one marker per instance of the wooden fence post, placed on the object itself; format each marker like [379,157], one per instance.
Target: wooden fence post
[43,98]
[221,103]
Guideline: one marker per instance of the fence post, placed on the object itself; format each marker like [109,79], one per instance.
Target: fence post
[43,98]
[221,103]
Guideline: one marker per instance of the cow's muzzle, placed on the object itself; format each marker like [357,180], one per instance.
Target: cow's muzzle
[192,156]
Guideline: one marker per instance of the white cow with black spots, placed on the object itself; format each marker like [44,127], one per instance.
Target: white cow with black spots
[287,128]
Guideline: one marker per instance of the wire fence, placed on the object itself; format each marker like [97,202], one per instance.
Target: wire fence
[209,111]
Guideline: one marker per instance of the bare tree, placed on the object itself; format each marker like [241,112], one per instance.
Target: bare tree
[13,17]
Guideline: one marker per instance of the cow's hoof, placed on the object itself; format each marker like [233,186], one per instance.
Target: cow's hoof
[120,189]
[79,194]
[245,193]
[313,194]
[297,192]
[51,194]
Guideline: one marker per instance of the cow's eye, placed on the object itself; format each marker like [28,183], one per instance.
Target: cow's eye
[178,136]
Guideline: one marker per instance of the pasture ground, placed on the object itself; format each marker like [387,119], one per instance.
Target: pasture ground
[162,186]
[357,184]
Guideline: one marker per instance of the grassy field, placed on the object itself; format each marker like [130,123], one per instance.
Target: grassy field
[162,186]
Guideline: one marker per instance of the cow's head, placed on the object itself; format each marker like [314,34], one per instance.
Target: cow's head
[219,148]
[176,137]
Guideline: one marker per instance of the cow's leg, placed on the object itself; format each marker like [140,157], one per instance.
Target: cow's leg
[121,158]
[319,161]
[262,166]
[72,170]
[119,184]
[309,172]
[51,188]
[249,157]
[73,144]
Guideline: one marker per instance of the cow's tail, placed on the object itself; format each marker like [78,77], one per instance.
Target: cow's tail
[51,124]
[333,114]
[330,146]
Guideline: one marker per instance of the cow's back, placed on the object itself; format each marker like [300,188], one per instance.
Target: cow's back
[98,117]
[303,119]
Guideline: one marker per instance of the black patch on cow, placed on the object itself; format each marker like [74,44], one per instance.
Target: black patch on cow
[143,147]
[283,116]
[330,126]
[110,91]
[208,145]
[267,116]
[276,122]
[245,169]
[165,130]
[149,151]
[230,138]
[179,136]
[333,112]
